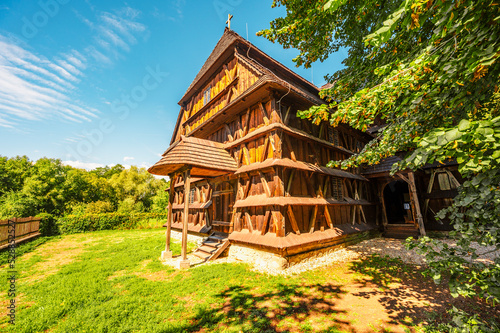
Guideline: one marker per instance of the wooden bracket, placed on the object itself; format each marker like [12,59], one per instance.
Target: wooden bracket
[293,221]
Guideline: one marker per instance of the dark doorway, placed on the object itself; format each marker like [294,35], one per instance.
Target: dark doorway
[397,202]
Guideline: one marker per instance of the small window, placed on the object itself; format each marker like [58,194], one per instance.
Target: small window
[206,95]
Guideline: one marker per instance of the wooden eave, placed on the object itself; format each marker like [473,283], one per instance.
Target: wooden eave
[262,200]
[293,243]
[288,163]
[260,131]
[205,158]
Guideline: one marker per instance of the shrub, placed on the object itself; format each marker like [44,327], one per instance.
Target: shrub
[48,225]
[70,224]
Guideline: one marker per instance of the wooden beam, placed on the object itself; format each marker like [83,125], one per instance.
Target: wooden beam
[249,222]
[247,188]
[326,187]
[429,190]
[266,220]
[237,226]
[169,216]
[290,179]
[266,150]
[362,213]
[264,184]
[228,131]
[278,222]
[290,148]
[413,190]
[453,179]
[353,214]
[312,220]
[271,140]
[321,128]
[187,184]
[246,154]
[264,113]
[310,187]
[328,217]
[287,114]
[247,123]
[293,221]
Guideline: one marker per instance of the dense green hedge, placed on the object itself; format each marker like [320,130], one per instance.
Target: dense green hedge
[71,224]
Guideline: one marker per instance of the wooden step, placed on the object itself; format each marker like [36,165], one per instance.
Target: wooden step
[212,243]
[217,238]
[202,255]
[207,249]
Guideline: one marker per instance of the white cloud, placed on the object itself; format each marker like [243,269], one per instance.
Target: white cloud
[35,88]
[83,165]
[128,158]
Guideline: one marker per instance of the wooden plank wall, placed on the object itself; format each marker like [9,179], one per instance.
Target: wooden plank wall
[231,81]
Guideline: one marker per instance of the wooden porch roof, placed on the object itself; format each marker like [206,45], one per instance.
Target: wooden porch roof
[206,158]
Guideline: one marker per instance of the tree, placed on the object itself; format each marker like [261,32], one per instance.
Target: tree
[427,70]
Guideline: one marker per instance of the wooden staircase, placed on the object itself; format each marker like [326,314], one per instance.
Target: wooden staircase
[212,247]
[401,231]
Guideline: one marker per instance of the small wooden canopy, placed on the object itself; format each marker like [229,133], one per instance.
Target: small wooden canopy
[206,158]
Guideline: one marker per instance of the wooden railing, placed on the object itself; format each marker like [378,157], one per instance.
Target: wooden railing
[25,228]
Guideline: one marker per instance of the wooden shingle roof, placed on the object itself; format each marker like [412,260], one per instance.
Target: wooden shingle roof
[206,158]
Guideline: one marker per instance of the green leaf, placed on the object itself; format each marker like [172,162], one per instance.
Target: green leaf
[463,125]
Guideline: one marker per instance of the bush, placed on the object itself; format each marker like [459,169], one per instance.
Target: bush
[71,224]
[48,225]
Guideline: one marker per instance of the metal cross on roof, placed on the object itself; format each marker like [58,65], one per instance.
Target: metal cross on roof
[228,22]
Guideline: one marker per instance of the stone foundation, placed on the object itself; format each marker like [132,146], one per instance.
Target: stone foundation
[191,238]
[263,260]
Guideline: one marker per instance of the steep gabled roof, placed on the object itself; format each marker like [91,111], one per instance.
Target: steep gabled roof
[232,44]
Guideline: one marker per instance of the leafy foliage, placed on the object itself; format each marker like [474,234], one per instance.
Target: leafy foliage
[48,187]
[71,224]
[427,73]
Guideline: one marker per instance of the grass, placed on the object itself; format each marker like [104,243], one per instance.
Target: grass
[112,281]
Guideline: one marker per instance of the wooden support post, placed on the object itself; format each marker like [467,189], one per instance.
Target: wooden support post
[328,217]
[429,190]
[279,223]
[266,150]
[289,186]
[264,184]
[168,253]
[228,131]
[238,225]
[264,113]
[293,221]
[247,123]
[266,220]
[312,220]
[285,121]
[290,148]
[187,182]
[418,213]
[249,222]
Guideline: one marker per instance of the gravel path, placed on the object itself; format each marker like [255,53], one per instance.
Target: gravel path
[393,248]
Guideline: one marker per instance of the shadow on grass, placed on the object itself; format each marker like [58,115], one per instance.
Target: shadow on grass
[288,308]
[409,297]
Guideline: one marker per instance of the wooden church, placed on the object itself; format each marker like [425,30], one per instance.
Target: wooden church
[246,171]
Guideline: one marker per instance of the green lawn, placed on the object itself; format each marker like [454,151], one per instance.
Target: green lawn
[113,281]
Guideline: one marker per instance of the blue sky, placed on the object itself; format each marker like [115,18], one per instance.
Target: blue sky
[96,83]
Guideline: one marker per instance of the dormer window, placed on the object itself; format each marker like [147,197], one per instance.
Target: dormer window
[206,95]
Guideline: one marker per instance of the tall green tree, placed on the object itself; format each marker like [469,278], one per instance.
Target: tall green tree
[427,70]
